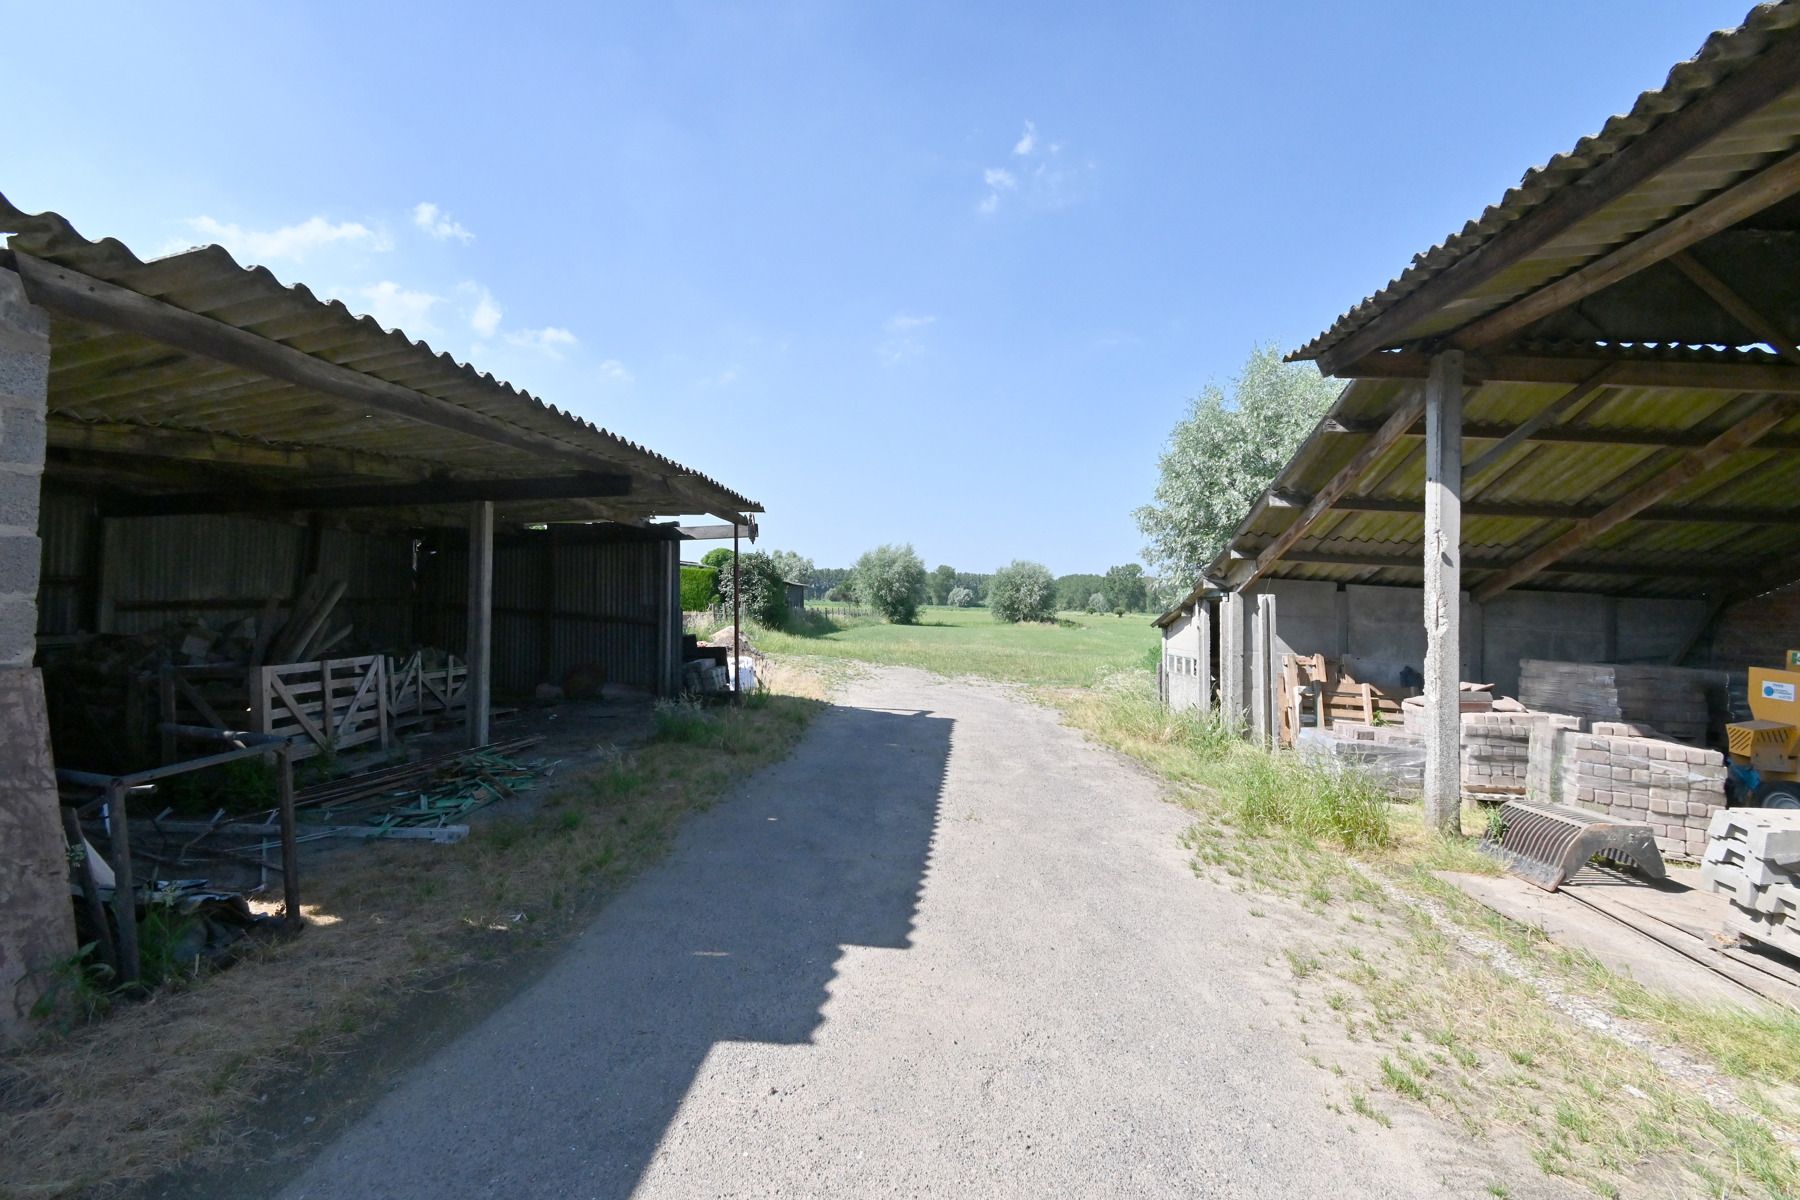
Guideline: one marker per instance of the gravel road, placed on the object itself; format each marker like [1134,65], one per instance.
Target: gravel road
[947,948]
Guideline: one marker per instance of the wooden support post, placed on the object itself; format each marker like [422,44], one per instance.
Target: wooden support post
[1231,660]
[1204,663]
[1443,593]
[737,618]
[124,890]
[290,846]
[480,644]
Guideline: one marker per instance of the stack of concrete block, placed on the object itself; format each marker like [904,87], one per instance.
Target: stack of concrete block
[1673,788]
[1496,749]
[1671,699]
[1753,857]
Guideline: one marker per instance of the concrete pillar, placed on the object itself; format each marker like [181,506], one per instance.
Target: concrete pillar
[37,921]
[1265,721]
[1231,659]
[1203,634]
[480,643]
[1443,592]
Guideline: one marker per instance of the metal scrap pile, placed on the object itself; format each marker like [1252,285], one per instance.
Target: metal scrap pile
[430,795]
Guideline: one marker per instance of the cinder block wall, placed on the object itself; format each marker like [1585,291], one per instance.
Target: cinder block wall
[36,921]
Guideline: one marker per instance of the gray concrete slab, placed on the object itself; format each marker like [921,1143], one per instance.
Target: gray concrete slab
[947,948]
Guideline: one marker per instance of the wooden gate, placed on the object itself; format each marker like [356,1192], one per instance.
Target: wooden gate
[335,704]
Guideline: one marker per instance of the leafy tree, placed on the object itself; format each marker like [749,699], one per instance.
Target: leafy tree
[977,584]
[891,580]
[1072,591]
[718,560]
[960,597]
[1125,588]
[826,580]
[765,592]
[1023,591]
[699,588]
[1221,456]
[1097,602]
[794,568]
[942,581]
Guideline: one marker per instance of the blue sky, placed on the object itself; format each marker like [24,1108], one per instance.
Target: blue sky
[939,273]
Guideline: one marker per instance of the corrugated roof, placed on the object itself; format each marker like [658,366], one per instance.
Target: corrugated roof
[103,378]
[1745,147]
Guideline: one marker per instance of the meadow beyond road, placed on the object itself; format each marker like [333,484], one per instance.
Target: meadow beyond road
[947,948]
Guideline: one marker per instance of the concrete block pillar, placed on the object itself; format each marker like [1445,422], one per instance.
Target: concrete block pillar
[1443,592]
[37,923]
[1204,667]
[1265,722]
[1232,698]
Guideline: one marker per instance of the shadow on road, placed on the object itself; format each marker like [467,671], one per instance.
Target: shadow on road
[569,1088]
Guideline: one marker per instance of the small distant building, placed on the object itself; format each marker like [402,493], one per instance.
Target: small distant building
[796,595]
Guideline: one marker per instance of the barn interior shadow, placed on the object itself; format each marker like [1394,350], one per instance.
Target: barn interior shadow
[734,938]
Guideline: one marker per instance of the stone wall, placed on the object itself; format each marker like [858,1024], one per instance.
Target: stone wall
[36,920]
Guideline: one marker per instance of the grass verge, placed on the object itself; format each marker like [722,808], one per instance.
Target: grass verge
[163,1082]
[1389,980]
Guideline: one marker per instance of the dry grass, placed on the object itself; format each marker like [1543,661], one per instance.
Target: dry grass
[167,1080]
[1386,987]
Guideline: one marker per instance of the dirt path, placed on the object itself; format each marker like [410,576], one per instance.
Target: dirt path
[947,948]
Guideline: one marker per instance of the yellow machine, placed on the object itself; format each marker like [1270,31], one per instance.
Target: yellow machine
[1765,752]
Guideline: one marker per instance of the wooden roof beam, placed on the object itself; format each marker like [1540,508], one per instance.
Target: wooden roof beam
[1668,514]
[1412,407]
[1689,468]
[1628,371]
[1760,82]
[126,440]
[1583,435]
[1667,240]
[1415,562]
[401,495]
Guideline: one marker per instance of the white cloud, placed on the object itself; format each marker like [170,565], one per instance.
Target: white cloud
[484,317]
[401,308]
[904,338]
[290,241]
[1045,181]
[550,340]
[614,371]
[438,223]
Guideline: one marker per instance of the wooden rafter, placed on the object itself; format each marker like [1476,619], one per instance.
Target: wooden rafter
[1585,435]
[1563,404]
[1721,212]
[1412,407]
[121,440]
[1690,467]
[1735,306]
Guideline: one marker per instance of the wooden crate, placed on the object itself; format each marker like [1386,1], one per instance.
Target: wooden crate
[1312,681]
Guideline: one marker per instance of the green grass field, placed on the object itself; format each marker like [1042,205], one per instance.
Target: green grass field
[968,641]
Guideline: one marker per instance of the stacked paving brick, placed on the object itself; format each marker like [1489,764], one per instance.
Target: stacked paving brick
[1496,750]
[1673,700]
[1753,857]
[1673,788]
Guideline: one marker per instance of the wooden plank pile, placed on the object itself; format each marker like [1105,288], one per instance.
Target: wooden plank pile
[1753,858]
[1671,699]
[1333,696]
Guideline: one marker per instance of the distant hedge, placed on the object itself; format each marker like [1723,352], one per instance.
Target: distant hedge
[699,588]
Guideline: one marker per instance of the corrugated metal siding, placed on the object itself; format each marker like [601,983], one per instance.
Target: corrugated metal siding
[65,527]
[164,570]
[604,605]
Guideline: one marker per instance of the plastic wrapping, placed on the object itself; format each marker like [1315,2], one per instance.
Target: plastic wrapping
[1387,752]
